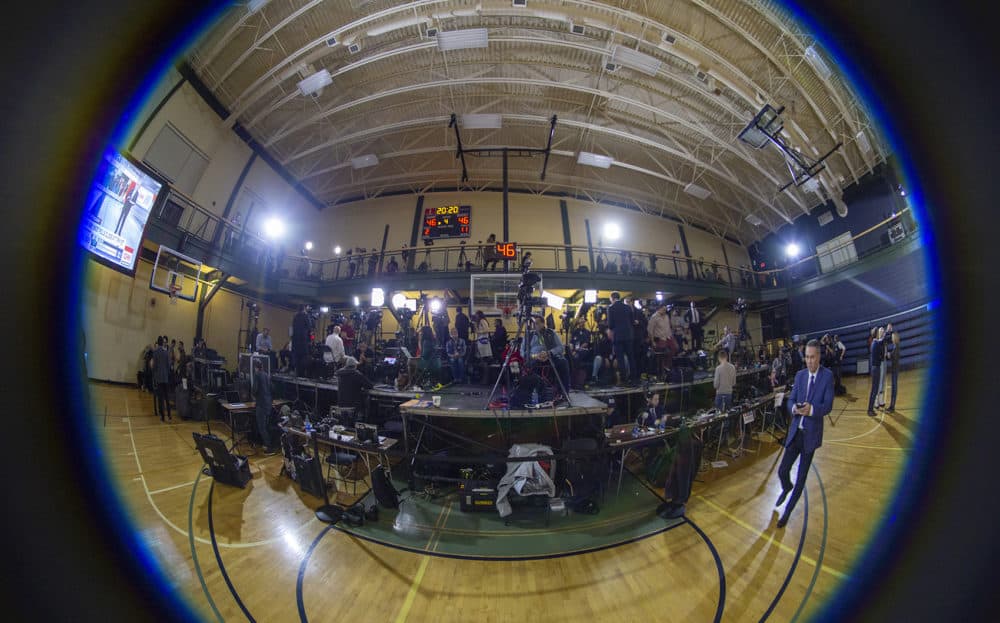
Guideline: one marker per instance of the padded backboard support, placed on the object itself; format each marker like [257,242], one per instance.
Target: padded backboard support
[174,269]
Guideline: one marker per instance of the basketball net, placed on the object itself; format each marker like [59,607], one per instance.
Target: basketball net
[174,289]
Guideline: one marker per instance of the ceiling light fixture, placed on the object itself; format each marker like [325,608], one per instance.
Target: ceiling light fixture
[636,60]
[365,161]
[594,160]
[480,121]
[462,39]
[697,191]
[315,82]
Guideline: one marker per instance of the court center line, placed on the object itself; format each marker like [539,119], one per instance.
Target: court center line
[412,594]
[770,538]
[855,445]
[165,489]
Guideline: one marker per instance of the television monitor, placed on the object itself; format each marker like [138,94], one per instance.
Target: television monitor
[119,203]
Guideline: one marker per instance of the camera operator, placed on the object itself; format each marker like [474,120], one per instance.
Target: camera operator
[620,323]
[694,320]
[364,354]
[336,345]
[393,266]
[351,386]
[428,359]
[603,353]
[300,340]
[526,262]
[546,346]
[455,348]
[440,322]
[490,257]
[263,346]
[347,334]
[664,343]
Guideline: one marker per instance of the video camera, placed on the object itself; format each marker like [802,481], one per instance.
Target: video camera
[525,288]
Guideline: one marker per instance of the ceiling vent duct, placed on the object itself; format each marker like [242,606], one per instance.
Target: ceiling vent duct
[462,39]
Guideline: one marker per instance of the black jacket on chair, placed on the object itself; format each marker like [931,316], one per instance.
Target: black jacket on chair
[350,388]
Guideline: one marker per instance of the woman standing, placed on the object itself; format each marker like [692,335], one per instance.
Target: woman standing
[893,357]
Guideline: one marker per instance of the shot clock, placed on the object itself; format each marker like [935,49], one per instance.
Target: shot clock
[506,250]
[452,221]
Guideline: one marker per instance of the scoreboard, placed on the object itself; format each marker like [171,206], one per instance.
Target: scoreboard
[447,222]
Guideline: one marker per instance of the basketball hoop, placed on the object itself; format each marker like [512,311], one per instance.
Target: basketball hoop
[174,289]
[506,313]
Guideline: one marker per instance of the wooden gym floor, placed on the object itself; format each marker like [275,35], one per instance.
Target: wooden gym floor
[727,562]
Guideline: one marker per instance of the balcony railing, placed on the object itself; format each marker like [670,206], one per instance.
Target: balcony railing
[247,248]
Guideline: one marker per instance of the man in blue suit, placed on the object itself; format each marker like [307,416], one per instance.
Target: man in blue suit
[811,400]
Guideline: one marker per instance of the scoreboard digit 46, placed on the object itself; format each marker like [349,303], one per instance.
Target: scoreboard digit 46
[447,222]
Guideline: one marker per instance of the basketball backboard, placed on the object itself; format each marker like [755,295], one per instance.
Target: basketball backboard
[175,272]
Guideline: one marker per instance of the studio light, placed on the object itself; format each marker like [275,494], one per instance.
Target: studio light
[435,305]
[612,231]
[309,245]
[659,296]
[553,301]
[324,310]
[357,302]
[637,303]
[378,297]
[337,250]
[590,296]
[398,300]
[274,227]
[792,250]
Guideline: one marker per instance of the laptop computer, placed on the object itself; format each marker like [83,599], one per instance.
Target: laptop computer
[232,396]
[620,432]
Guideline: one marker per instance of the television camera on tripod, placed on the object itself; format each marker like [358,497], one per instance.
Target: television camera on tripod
[527,302]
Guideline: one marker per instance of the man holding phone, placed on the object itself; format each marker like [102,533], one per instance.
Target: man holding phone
[812,397]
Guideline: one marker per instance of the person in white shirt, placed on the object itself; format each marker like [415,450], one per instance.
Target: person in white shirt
[336,345]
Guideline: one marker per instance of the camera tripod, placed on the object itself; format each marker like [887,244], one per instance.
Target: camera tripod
[524,334]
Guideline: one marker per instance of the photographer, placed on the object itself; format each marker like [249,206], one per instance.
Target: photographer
[603,354]
[498,341]
[364,355]
[546,346]
[741,309]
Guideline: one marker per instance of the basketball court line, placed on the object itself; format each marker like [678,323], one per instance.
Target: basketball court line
[179,530]
[770,538]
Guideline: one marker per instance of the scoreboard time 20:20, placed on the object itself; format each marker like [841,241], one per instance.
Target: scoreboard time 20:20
[447,222]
